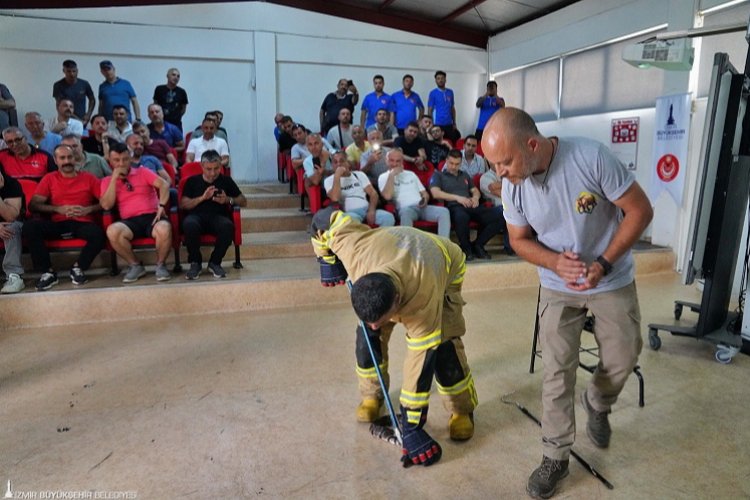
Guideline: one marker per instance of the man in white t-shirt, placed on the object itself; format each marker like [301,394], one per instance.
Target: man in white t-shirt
[207,141]
[353,191]
[405,189]
[65,122]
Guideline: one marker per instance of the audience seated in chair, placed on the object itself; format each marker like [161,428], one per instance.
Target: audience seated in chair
[410,196]
[299,151]
[424,126]
[355,194]
[207,141]
[437,148]
[20,160]
[412,146]
[84,161]
[137,159]
[70,198]
[383,124]
[355,150]
[12,213]
[285,139]
[461,197]
[157,148]
[205,199]
[471,162]
[372,162]
[159,129]
[133,192]
[318,165]
[217,116]
[119,128]
[340,136]
[98,140]
[38,136]
[491,187]
[65,122]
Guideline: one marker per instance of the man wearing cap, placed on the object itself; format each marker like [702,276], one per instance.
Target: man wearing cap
[77,90]
[114,90]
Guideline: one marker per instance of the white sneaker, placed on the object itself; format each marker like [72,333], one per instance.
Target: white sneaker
[14,284]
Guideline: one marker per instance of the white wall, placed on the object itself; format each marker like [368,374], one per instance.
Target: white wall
[248,59]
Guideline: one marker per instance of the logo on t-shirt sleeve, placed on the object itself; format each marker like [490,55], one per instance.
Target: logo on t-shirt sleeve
[586,202]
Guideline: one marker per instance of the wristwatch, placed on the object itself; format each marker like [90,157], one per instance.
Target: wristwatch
[605,265]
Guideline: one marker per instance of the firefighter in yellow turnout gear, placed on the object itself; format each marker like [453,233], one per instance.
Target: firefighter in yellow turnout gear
[404,275]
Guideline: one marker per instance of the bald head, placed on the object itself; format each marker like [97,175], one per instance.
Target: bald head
[513,123]
[513,145]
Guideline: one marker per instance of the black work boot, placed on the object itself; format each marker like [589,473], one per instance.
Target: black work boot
[543,481]
[597,427]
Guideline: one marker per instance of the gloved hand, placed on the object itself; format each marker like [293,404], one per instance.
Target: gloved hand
[332,271]
[419,447]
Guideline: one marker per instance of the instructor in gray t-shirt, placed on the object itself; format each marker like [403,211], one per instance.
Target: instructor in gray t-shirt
[575,211]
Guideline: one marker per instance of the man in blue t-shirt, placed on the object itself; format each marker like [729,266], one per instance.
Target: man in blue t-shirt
[443,104]
[114,90]
[406,106]
[488,104]
[373,102]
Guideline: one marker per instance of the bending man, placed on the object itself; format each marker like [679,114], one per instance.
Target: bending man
[404,275]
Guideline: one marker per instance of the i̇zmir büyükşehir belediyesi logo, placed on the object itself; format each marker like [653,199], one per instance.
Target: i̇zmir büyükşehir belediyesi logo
[585,203]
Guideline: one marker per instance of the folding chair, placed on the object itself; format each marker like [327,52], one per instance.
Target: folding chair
[588,326]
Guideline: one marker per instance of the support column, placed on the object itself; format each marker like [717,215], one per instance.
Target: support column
[266,86]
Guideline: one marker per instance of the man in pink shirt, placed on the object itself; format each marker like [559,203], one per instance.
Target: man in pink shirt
[141,198]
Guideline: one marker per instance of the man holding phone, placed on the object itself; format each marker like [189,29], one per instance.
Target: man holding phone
[205,198]
[346,96]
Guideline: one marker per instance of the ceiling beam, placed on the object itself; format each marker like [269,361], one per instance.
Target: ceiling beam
[461,10]
[369,15]
[419,26]
[385,4]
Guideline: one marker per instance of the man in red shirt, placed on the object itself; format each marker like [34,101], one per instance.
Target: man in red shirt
[71,199]
[142,212]
[20,160]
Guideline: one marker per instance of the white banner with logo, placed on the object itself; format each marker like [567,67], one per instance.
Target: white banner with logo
[671,129]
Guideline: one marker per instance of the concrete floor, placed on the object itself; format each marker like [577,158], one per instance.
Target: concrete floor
[262,404]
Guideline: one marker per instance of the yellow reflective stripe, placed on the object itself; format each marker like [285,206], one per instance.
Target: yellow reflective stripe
[370,372]
[459,278]
[413,417]
[426,342]
[458,388]
[414,399]
[443,249]
[323,241]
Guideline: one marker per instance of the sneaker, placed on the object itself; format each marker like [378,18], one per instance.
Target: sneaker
[47,281]
[597,427]
[543,481]
[194,272]
[369,409]
[162,273]
[218,271]
[77,276]
[14,284]
[135,272]
[461,426]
